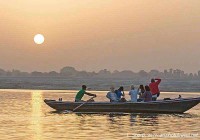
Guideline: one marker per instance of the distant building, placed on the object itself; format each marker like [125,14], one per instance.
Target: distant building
[199,73]
[191,76]
[170,74]
[195,76]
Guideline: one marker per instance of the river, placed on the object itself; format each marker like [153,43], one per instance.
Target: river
[24,116]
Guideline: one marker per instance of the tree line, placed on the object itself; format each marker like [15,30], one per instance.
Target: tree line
[71,72]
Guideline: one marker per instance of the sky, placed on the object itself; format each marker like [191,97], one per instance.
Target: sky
[94,34]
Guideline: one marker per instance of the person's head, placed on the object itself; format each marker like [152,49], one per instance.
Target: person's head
[152,80]
[147,88]
[132,87]
[121,88]
[141,87]
[112,88]
[84,87]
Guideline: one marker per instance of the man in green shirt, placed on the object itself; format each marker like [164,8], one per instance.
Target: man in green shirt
[80,94]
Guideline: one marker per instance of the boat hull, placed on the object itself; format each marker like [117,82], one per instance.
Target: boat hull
[169,106]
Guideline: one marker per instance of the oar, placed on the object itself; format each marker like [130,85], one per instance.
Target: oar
[82,104]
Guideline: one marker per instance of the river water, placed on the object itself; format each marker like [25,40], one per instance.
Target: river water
[24,115]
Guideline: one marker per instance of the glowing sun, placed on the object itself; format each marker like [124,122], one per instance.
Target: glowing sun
[39,39]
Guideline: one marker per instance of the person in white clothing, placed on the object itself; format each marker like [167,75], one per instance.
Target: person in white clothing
[112,95]
[133,93]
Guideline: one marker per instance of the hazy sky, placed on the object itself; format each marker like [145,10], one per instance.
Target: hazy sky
[97,34]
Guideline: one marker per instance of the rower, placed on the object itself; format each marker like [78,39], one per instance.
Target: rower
[81,93]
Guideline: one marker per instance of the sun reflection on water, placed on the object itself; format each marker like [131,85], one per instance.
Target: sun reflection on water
[36,101]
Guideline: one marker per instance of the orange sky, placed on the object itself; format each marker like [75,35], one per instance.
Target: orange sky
[95,34]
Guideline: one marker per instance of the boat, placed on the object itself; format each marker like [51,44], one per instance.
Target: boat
[160,106]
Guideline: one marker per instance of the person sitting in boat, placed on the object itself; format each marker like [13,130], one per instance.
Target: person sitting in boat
[141,91]
[80,94]
[134,93]
[112,95]
[154,88]
[120,94]
[147,96]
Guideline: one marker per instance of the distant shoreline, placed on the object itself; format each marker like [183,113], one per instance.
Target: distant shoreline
[74,91]
[71,72]
[96,84]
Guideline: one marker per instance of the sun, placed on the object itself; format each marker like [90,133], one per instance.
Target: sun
[38,38]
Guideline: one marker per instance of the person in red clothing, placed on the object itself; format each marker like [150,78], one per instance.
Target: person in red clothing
[154,88]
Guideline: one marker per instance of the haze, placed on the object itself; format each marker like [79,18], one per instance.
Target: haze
[96,34]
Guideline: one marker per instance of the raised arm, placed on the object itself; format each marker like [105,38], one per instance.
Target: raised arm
[158,80]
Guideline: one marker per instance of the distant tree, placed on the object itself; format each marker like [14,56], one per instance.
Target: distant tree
[36,73]
[154,73]
[68,71]
[104,72]
[143,73]
[8,73]
[126,74]
[93,73]
[83,74]
[16,72]
[2,72]
[115,71]
[25,74]
[53,73]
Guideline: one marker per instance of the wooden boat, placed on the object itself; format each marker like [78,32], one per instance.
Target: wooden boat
[161,106]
